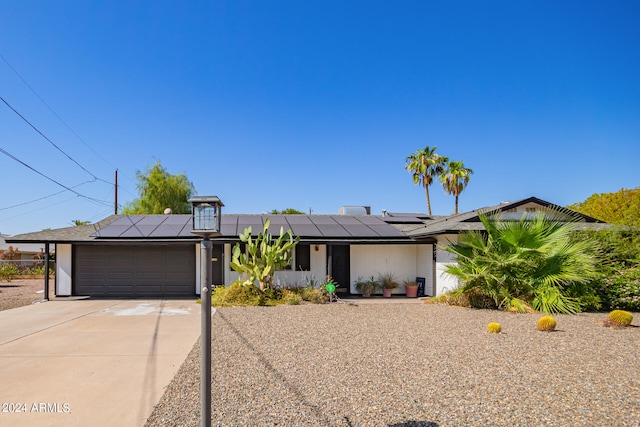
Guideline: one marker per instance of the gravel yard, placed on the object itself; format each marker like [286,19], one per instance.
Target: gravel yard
[19,292]
[408,365]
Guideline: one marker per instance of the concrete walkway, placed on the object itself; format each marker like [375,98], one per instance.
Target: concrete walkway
[91,362]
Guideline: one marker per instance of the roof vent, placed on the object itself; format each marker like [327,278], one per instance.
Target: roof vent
[167,211]
[354,210]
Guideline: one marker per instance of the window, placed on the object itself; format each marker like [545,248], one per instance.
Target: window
[303,257]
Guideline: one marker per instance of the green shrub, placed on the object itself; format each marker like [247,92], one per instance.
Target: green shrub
[291,297]
[236,294]
[620,288]
[546,324]
[8,271]
[239,294]
[471,299]
[314,295]
[494,327]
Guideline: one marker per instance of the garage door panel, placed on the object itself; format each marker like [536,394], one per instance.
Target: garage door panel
[134,270]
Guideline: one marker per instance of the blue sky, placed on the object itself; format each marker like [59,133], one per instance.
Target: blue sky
[315,104]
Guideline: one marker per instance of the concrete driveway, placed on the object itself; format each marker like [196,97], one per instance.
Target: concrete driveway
[91,362]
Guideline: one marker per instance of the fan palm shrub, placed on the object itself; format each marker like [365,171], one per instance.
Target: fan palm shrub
[527,263]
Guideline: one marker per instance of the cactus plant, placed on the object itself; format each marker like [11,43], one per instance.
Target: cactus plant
[620,318]
[546,323]
[265,254]
[494,327]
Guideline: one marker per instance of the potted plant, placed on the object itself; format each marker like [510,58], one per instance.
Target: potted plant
[411,287]
[366,286]
[388,283]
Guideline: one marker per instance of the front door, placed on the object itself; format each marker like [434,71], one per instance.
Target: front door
[339,262]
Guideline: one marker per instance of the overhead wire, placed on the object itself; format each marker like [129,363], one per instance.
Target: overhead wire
[37,95]
[50,141]
[42,198]
[91,199]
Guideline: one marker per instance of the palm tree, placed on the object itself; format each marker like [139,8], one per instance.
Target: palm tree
[425,165]
[455,179]
[532,262]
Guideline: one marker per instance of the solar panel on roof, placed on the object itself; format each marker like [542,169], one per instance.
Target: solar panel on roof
[298,219]
[369,220]
[361,230]
[277,219]
[177,219]
[310,226]
[125,220]
[305,230]
[132,232]
[169,230]
[152,220]
[229,229]
[346,220]
[112,230]
[146,230]
[333,230]
[385,230]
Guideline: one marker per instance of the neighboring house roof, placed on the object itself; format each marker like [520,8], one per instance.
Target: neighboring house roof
[27,248]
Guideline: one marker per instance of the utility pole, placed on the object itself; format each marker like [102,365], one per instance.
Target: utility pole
[115,200]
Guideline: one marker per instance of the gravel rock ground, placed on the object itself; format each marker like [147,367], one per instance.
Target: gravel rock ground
[408,365]
[19,292]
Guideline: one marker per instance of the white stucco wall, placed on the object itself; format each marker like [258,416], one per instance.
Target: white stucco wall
[63,269]
[318,270]
[372,260]
[444,281]
[424,267]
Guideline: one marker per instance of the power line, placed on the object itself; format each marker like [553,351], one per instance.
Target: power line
[54,113]
[51,142]
[91,199]
[41,198]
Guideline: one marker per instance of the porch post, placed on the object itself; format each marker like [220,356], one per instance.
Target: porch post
[46,271]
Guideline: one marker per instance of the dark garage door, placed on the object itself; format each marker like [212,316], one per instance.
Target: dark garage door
[134,271]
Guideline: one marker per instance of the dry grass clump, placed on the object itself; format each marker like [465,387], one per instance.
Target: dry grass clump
[470,299]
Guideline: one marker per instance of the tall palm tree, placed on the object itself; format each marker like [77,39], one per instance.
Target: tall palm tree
[455,179]
[425,165]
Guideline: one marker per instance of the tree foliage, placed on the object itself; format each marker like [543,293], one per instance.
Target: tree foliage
[425,165]
[526,263]
[264,255]
[617,284]
[160,190]
[455,178]
[287,211]
[79,222]
[621,207]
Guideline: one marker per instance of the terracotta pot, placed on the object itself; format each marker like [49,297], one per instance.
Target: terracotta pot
[412,291]
[387,292]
